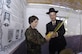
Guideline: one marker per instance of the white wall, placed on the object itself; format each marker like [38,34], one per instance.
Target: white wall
[73,23]
[41,14]
[81,24]
[13,15]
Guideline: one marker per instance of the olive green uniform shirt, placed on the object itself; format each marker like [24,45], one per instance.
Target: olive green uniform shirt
[34,41]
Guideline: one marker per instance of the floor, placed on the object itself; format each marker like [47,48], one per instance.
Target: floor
[21,49]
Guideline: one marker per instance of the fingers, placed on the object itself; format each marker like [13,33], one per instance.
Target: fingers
[47,38]
[55,34]
[51,35]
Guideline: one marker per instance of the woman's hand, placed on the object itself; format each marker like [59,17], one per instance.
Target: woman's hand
[51,35]
[47,38]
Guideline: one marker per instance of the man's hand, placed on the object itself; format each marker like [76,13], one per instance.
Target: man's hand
[51,35]
[55,34]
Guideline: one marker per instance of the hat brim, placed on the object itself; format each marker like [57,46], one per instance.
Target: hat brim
[52,11]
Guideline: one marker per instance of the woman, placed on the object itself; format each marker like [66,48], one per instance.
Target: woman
[33,38]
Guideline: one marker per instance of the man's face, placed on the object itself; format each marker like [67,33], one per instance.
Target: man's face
[52,16]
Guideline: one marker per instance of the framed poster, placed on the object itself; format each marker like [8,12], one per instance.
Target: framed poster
[8,3]
[1,3]
[21,32]
[10,35]
[0,34]
[0,30]
[6,19]
[1,6]
[0,11]
[17,34]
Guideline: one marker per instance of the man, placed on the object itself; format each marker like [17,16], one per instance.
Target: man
[57,43]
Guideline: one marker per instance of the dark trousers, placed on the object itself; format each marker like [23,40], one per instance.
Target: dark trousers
[54,51]
[56,45]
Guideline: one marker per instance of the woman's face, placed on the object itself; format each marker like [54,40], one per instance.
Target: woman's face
[34,23]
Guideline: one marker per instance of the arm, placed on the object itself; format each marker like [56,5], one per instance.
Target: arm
[35,39]
[49,34]
[61,31]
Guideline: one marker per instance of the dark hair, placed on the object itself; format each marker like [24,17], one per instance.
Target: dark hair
[32,18]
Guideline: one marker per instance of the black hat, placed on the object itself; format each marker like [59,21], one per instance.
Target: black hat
[51,10]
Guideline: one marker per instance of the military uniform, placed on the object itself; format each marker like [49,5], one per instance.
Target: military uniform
[34,40]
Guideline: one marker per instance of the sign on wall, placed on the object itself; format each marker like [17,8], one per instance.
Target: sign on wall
[11,22]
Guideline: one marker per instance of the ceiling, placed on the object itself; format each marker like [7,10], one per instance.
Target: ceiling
[74,4]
